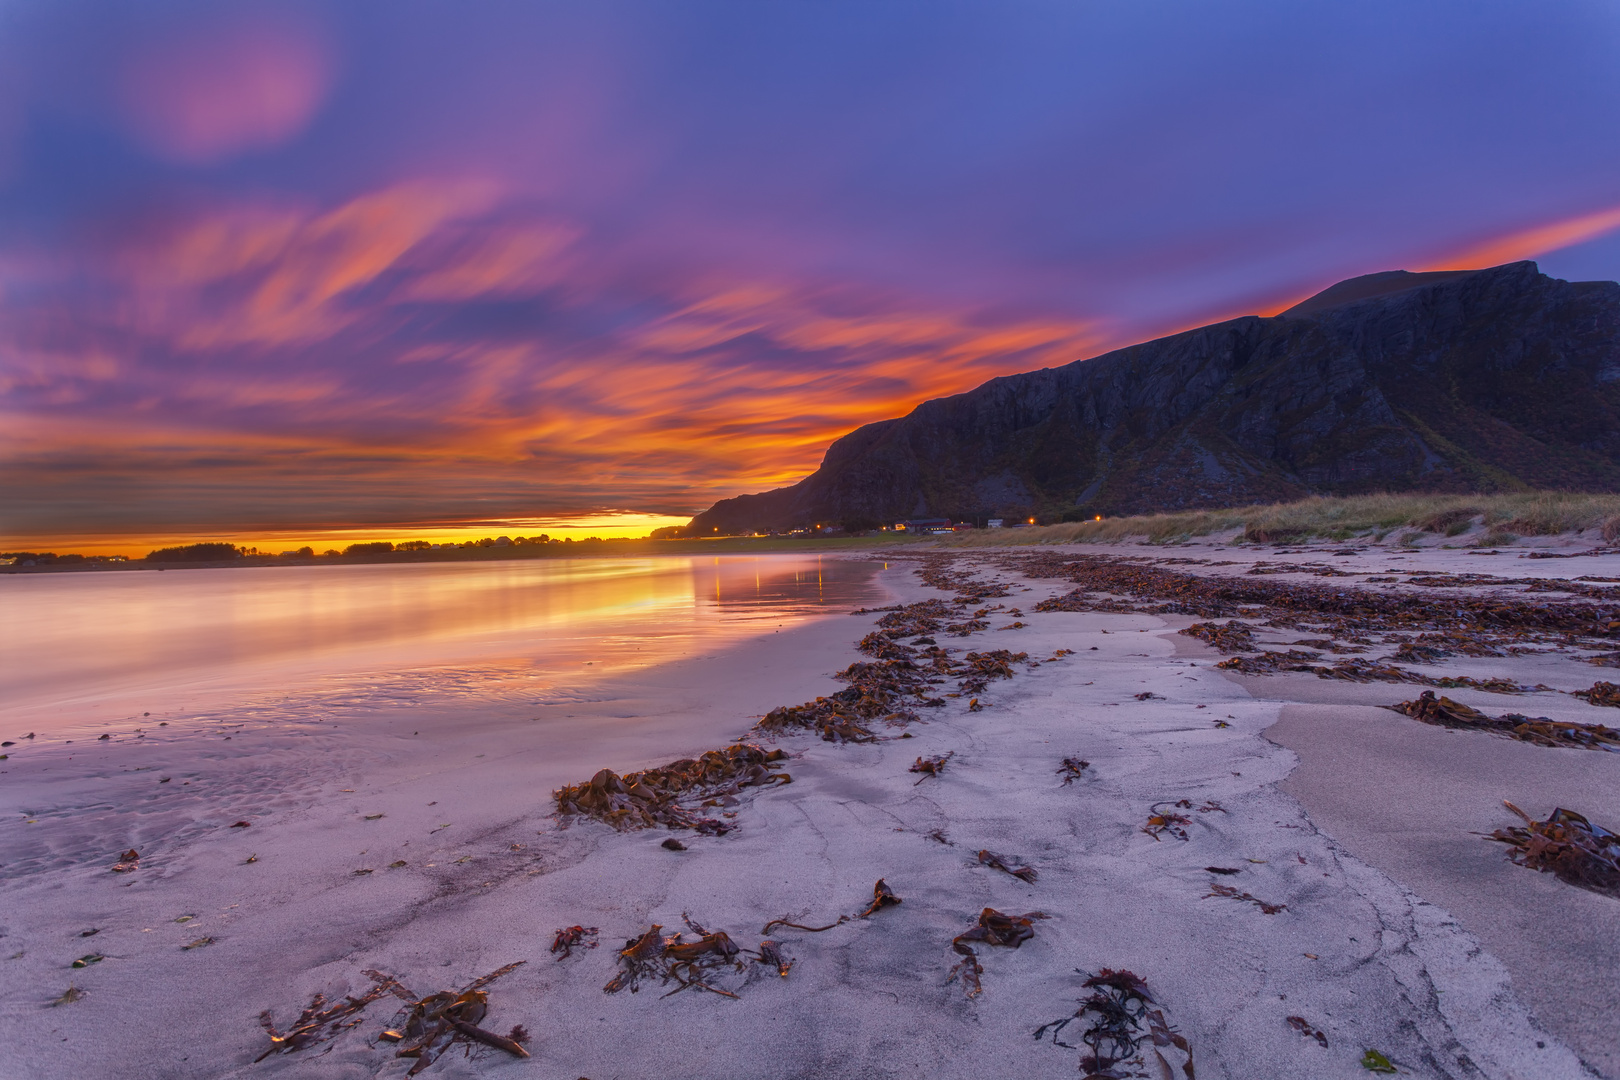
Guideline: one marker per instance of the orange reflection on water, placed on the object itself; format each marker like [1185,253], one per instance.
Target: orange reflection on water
[83,649]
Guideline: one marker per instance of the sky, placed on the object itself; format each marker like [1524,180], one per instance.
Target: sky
[392,268]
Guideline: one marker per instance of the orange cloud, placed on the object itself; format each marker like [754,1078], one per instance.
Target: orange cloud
[284,269]
[229,86]
[279,367]
[1528,243]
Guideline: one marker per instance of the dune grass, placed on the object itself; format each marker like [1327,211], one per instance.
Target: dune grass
[1504,518]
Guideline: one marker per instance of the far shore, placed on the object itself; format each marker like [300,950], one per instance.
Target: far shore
[570,549]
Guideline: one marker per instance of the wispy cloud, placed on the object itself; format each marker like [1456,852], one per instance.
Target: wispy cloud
[430,330]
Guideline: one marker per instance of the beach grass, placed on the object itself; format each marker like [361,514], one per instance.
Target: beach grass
[1505,517]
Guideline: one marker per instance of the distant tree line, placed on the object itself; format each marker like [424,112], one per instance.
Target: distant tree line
[212,552]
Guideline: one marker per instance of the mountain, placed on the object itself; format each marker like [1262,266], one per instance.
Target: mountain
[1470,380]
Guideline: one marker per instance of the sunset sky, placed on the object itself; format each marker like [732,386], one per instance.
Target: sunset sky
[402,268]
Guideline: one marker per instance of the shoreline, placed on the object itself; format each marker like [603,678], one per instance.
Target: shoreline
[1355,952]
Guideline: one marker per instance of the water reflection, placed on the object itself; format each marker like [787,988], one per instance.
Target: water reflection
[87,648]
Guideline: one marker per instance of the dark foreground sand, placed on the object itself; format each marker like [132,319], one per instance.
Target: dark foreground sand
[1403,931]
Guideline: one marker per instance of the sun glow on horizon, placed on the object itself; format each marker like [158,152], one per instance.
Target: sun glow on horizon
[605,526]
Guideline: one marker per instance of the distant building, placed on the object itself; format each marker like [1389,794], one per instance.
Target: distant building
[923,525]
[995,523]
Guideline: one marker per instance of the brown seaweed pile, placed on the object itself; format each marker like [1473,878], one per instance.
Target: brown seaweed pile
[978,669]
[652,797]
[1230,637]
[881,691]
[1360,670]
[1424,626]
[1603,693]
[900,678]
[1566,845]
[1539,730]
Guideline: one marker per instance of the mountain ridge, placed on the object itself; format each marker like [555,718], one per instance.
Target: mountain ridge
[1484,380]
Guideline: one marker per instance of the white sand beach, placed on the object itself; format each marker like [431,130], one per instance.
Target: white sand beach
[427,847]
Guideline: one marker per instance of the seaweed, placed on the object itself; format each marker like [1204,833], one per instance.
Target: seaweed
[930,766]
[882,897]
[428,1026]
[1072,769]
[570,937]
[432,1024]
[1539,730]
[991,928]
[1303,1026]
[1601,693]
[1234,636]
[1567,846]
[1114,1015]
[652,797]
[1230,892]
[998,862]
[689,964]
[1161,821]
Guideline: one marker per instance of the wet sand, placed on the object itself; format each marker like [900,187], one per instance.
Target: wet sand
[1400,796]
[1369,949]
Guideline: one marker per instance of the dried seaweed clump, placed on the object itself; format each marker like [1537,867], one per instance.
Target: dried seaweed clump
[1072,769]
[642,800]
[937,571]
[431,1025]
[1161,820]
[1603,693]
[1103,580]
[1566,845]
[979,668]
[1269,662]
[930,766]
[427,1026]
[1114,1016]
[320,1022]
[992,928]
[914,620]
[1539,730]
[882,897]
[1231,637]
[1361,670]
[569,938]
[691,965]
[1006,866]
[882,690]
[1231,893]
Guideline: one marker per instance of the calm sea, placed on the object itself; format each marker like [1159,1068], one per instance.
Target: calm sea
[83,649]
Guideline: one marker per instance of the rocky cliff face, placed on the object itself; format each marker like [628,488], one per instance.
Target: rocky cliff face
[1482,380]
